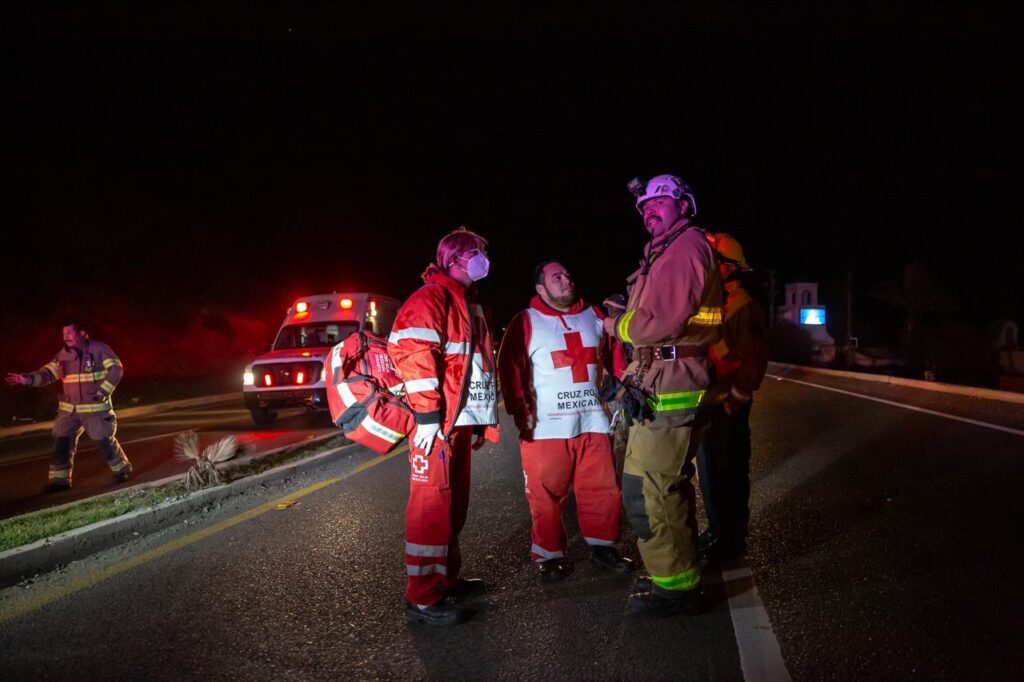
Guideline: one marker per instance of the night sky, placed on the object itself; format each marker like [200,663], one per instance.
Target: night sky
[239,155]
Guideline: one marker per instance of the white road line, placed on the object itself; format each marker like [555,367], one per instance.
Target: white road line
[975,422]
[89,447]
[86,448]
[760,656]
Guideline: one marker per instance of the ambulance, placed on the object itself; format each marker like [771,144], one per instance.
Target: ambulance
[291,373]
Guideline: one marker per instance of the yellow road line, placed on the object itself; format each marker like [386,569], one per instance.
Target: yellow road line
[90,580]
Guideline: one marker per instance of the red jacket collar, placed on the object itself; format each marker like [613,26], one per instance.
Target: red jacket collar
[539,305]
[452,285]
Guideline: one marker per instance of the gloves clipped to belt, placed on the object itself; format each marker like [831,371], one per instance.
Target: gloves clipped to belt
[609,392]
[633,399]
[634,406]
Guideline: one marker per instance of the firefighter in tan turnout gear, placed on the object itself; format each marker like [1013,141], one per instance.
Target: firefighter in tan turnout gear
[673,313]
[90,372]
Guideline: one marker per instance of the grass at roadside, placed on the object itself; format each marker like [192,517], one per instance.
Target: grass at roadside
[261,464]
[22,530]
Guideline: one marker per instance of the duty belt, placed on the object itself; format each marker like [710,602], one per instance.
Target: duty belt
[648,354]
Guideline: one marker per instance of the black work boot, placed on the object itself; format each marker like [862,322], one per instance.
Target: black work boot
[120,476]
[643,583]
[466,589]
[441,613]
[57,486]
[723,548]
[609,559]
[666,603]
[553,570]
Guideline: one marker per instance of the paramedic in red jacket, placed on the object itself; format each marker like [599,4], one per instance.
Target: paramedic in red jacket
[442,348]
[548,368]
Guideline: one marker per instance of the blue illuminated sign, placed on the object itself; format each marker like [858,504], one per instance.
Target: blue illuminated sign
[812,316]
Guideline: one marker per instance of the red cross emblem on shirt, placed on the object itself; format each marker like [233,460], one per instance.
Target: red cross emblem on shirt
[575,355]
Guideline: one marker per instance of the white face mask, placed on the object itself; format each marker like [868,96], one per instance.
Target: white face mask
[477,266]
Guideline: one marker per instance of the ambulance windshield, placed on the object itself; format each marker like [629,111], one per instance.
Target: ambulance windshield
[314,334]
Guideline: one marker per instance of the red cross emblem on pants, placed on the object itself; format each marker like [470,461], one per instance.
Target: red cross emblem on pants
[575,355]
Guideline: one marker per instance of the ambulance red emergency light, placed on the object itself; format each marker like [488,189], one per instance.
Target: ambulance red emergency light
[291,373]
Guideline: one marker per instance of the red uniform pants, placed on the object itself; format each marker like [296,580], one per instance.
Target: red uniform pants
[438,500]
[550,467]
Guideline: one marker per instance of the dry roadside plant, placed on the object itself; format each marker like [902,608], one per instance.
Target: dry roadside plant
[203,472]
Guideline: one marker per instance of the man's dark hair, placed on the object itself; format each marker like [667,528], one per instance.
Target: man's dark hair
[75,322]
[538,272]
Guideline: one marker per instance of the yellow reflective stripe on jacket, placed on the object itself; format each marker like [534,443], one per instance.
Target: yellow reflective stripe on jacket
[623,326]
[53,368]
[106,386]
[85,408]
[707,317]
[111,362]
[683,400]
[84,378]
[687,580]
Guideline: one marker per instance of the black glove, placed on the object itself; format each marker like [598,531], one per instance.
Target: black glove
[609,389]
[634,406]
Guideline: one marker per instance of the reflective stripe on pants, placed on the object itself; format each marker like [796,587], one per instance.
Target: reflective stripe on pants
[438,500]
[586,463]
[101,428]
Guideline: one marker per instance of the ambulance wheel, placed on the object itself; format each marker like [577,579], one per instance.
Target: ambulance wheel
[262,416]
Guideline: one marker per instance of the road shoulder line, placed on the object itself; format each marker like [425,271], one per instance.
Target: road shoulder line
[935,413]
[126,412]
[935,386]
[46,554]
[760,655]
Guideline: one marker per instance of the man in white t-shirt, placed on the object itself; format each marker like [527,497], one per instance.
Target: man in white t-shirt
[548,369]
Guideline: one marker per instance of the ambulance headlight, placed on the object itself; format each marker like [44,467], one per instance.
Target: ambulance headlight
[248,378]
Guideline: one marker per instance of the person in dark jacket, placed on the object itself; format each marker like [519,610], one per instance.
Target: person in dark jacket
[740,359]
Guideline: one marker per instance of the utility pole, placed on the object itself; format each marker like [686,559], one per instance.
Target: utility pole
[771,298]
[849,345]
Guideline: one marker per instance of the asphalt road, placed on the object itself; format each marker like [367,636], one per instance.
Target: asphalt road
[885,546]
[149,443]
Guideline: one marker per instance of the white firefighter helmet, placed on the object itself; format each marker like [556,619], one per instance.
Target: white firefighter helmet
[662,186]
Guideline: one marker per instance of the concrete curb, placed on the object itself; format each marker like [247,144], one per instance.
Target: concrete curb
[972,391]
[140,411]
[49,553]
